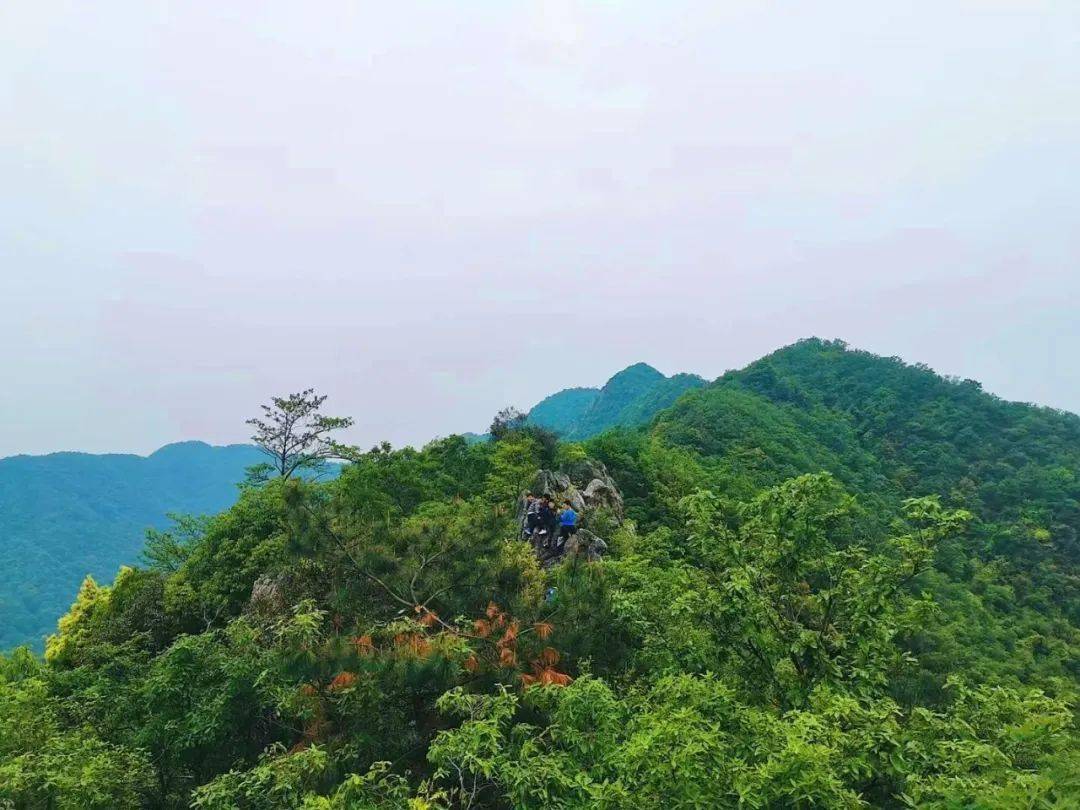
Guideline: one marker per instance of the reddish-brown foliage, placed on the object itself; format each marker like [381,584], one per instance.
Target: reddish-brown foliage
[506,646]
[413,643]
[510,636]
[343,681]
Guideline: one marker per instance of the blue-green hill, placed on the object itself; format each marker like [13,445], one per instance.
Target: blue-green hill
[631,398]
[66,515]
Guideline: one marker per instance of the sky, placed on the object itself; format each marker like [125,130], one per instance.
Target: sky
[430,210]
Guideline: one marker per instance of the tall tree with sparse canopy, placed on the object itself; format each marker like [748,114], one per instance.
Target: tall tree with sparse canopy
[506,421]
[296,436]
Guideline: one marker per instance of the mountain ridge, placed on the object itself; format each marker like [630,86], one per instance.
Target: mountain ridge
[630,397]
[828,578]
[67,514]
[55,526]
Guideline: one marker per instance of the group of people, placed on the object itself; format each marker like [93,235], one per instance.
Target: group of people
[547,526]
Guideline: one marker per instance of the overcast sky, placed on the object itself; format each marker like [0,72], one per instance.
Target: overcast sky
[428,210]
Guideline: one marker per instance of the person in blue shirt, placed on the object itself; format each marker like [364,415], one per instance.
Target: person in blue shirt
[567,524]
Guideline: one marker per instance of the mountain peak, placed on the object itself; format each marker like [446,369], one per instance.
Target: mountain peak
[173,448]
[637,374]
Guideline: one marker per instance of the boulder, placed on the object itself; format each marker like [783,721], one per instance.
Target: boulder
[556,485]
[267,596]
[586,544]
[601,493]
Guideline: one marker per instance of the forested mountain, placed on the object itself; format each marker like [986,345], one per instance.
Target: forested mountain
[889,431]
[831,580]
[562,410]
[66,515]
[630,398]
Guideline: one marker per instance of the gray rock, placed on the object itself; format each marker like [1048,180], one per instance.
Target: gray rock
[586,544]
[602,493]
[267,596]
[587,487]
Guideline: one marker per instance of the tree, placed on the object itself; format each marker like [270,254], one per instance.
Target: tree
[166,551]
[296,436]
[506,421]
[802,602]
[510,422]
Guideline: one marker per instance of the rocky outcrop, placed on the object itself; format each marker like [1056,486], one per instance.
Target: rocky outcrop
[268,596]
[585,485]
[601,493]
[589,489]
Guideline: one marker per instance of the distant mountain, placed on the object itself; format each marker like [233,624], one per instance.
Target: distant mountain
[561,412]
[65,515]
[632,397]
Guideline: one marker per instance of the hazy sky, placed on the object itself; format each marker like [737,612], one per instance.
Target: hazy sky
[429,210]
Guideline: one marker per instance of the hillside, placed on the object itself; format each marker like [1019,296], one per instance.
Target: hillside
[66,515]
[828,580]
[562,410]
[630,398]
[890,431]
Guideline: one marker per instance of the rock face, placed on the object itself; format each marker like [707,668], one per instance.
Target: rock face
[586,544]
[588,488]
[267,596]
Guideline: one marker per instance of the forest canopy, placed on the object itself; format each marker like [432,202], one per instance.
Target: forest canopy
[838,581]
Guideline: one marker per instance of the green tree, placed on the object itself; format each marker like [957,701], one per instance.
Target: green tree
[296,436]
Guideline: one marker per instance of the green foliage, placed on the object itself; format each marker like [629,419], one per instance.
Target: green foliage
[689,741]
[45,762]
[513,464]
[812,604]
[279,780]
[992,747]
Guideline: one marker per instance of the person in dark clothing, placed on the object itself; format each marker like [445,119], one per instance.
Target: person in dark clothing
[546,520]
[568,519]
[553,519]
[532,508]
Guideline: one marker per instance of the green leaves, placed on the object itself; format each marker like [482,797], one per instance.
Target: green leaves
[991,747]
[742,645]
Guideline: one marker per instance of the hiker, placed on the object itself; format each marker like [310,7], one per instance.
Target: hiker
[567,525]
[545,524]
[532,508]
